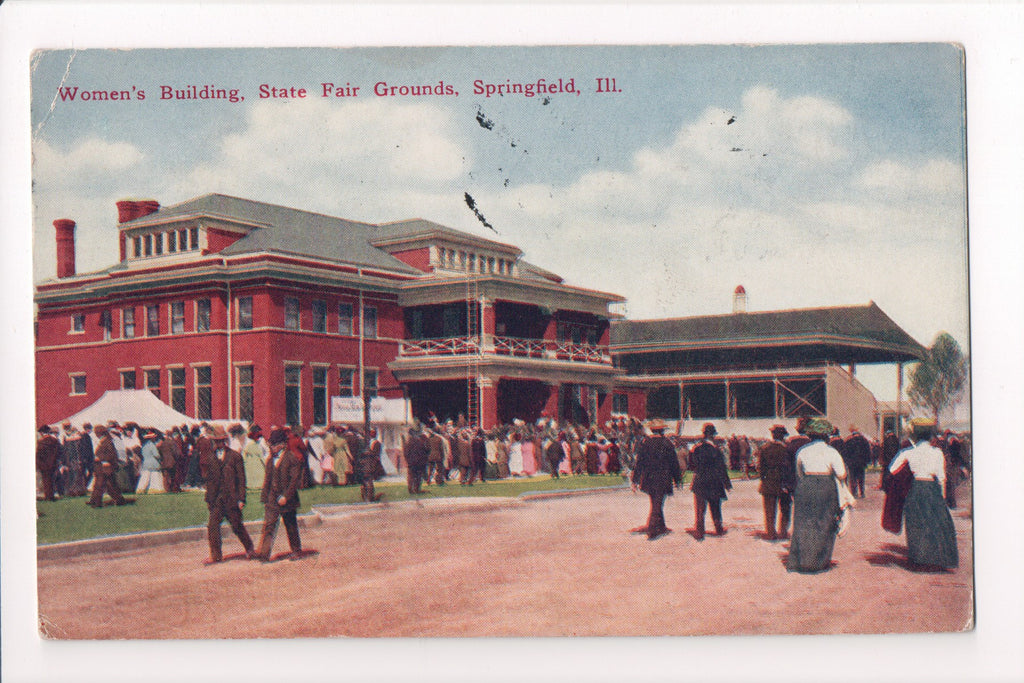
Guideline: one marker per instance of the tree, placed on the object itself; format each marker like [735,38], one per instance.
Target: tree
[938,380]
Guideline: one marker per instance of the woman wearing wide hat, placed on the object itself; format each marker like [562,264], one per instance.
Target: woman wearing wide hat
[816,509]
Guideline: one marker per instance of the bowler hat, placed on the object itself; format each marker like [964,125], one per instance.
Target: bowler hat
[657,425]
[218,433]
[709,429]
[779,431]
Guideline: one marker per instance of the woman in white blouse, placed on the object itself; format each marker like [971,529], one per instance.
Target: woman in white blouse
[931,538]
[816,508]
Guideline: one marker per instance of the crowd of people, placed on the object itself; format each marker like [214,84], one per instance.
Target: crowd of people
[810,479]
[814,479]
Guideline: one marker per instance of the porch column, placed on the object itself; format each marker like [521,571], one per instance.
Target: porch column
[551,404]
[550,337]
[899,400]
[604,407]
[487,324]
[488,402]
[682,403]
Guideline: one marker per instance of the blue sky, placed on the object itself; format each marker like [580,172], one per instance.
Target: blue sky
[839,181]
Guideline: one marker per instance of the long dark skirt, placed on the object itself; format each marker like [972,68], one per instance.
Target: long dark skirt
[815,522]
[931,538]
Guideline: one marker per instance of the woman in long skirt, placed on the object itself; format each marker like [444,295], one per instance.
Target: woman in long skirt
[816,501]
[931,537]
[150,478]
[515,456]
[529,458]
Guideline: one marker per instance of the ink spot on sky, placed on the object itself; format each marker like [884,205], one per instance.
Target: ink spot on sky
[483,120]
[471,203]
[732,120]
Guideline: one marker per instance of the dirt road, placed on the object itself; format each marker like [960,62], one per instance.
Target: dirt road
[554,567]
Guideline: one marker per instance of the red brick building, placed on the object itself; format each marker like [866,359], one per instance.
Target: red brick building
[229,308]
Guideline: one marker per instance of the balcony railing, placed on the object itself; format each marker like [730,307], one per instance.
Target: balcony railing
[542,349]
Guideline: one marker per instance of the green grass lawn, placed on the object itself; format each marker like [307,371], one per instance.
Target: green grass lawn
[71,519]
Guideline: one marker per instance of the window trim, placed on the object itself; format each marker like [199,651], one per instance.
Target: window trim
[354,370]
[135,377]
[238,313]
[209,313]
[376,323]
[195,388]
[170,317]
[298,365]
[75,375]
[77,323]
[124,329]
[376,384]
[171,386]
[313,315]
[350,317]
[237,365]
[288,301]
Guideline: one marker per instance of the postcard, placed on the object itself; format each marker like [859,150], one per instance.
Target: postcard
[514,341]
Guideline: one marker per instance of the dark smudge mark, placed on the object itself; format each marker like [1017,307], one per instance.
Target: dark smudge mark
[732,120]
[471,203]
[546,101]
[483,120]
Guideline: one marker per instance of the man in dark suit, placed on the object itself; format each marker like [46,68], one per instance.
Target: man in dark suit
[436,469]
[104,466]
[48,452]
[225,493]
[170,453]
[856,455]
[656,472]
[775,467]
[710,482]
[280,496]
[416,452]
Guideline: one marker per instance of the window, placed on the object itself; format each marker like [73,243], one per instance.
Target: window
[320,395]
[244,378]
[620,403]
[370,322]
[147,241]
[292,387]
[153,320]
[177,317]
[490,264]
[204,392]
[471,262]
[193,239]
[291,313]
[416,324]
[177,386]
[344,318]
[172,241]
[153,381]
[128,322]
[203,315]
[319,317]
[370,383]
[78,322]
[346,377]
[78,384]
[158,243]
[183,240]
[137,243]
[245,312]
[107,325]
[127,379]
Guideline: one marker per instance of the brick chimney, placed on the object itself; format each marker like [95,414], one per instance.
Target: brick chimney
[65,247]
[739,300]
[130,209]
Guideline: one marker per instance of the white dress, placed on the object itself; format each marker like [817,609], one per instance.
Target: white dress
[515,457]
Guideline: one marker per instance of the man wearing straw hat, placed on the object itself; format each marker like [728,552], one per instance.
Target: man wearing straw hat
[655,472]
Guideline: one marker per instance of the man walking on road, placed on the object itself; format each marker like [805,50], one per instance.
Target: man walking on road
[225,494]
[710,482]
[280,496]
[655,473]
[778,477]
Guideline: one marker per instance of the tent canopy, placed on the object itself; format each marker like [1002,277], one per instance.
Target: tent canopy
[131,405]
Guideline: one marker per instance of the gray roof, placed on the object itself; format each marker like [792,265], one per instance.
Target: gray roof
[858,324]
[289,231]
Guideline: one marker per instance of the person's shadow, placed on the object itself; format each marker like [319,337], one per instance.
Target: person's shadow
[895,555]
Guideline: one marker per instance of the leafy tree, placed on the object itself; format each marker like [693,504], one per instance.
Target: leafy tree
[937,382]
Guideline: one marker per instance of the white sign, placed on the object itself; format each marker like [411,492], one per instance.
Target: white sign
[382,410]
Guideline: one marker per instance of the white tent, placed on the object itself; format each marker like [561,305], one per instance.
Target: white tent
[130,405]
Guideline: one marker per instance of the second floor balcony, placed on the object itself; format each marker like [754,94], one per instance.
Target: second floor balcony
[493,345]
